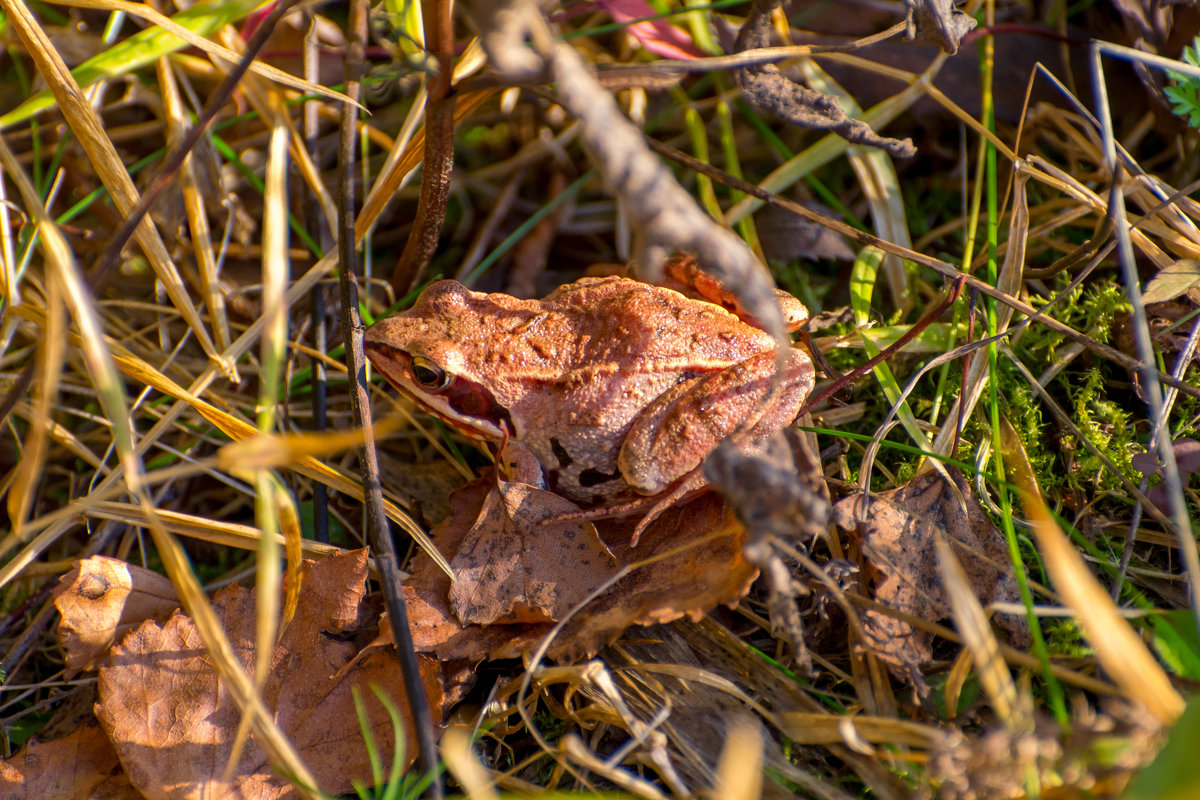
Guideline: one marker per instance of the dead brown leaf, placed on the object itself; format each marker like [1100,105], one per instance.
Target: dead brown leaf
[81,764]
[435,629]
[689,582]
[707,569]
[102,599]
[895,536]
[512,568]
[173,724]
[1170,322]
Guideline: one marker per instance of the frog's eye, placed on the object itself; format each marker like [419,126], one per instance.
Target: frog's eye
[428,374]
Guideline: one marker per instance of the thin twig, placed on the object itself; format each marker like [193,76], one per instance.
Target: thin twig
[379,533]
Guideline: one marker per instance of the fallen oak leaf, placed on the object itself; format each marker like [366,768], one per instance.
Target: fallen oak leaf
[895,534]
[515,566]
[100,600]
[435,628]
[668,579]
[81,764]
[173,724]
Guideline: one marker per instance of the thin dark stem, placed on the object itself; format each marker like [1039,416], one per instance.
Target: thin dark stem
[909,335]
[379,533]
[439,151]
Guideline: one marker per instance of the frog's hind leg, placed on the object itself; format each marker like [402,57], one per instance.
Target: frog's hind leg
[672,436]
[649,508]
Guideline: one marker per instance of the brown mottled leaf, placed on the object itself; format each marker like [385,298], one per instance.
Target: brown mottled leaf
[895,536]
[434,627]
[100,600]
[512,568]
[81,764]
[691,582]
[173,724]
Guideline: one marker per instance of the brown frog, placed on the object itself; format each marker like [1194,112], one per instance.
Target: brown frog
[615,388]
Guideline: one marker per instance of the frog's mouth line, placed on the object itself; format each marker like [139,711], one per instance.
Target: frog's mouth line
[466,405]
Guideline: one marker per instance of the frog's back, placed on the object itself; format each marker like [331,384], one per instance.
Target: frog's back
[645,327]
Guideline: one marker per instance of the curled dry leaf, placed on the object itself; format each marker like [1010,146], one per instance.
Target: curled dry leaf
[768,88]
[937,22]
[690,582]
[80,764]
[100,600]
[895,536]
[173,724]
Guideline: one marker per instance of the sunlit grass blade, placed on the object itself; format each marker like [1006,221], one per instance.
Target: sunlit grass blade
[111,394]
[89,129]
[862,287]
[880,184]
[972,624]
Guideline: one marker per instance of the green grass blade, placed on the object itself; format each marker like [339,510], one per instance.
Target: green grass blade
[862,286]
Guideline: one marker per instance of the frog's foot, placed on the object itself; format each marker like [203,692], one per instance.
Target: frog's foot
[651,507]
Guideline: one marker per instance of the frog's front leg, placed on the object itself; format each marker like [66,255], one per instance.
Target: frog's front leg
[672,436]
[517,463]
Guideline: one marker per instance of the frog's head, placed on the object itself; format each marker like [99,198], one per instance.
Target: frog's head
[438,353]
